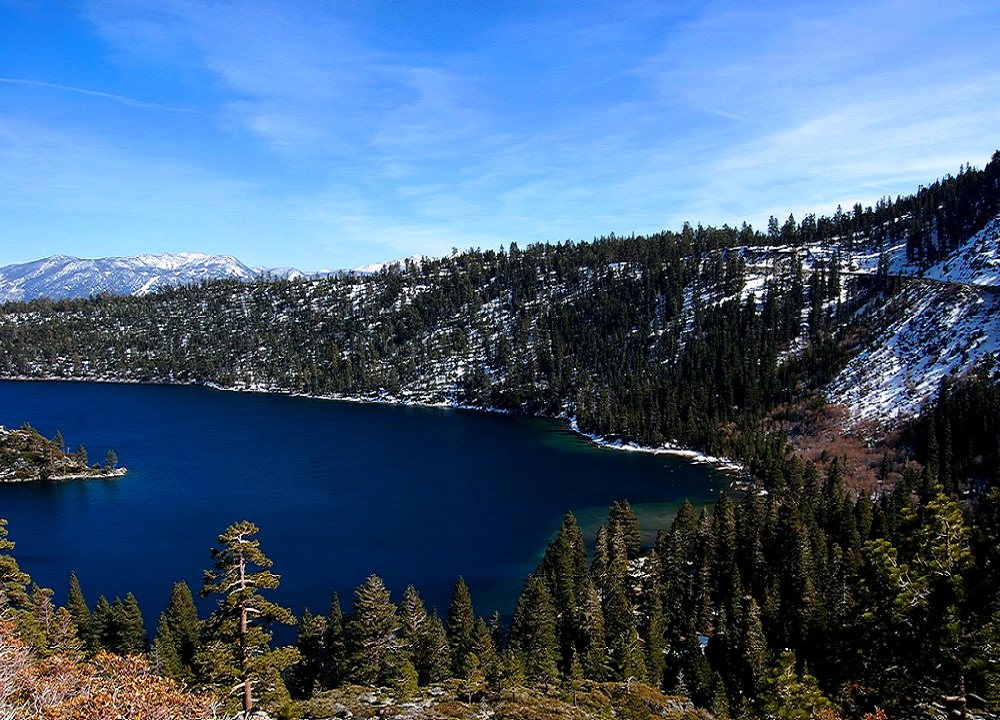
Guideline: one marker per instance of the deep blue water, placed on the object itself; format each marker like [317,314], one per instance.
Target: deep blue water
[340,490]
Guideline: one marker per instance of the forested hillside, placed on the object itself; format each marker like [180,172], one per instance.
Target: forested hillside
[669,337]
[796,598]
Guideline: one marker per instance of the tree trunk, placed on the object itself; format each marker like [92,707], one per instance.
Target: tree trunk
[244,660]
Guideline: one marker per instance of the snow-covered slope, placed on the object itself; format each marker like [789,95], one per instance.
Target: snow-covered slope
[977,262]
[932,328]
[61,277]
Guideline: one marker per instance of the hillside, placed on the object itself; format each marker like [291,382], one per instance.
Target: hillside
[668,338]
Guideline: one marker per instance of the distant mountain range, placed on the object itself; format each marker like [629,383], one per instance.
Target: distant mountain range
[60,277]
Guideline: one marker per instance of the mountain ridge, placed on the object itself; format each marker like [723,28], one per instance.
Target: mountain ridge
[62,277]
[673,338]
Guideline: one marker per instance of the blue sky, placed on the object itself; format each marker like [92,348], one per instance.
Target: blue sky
[333,134]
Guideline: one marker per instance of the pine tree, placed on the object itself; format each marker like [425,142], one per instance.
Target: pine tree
[625,652]
[165,658]
[35,623]
[13,582]
[617,557]
[237,647]
[412,619]
[76,604]
[373,634]
[599,566]
[786,695]
[623,516]
[102,626]
[753,648]
[335,665]
[461,623]
[304,675]
[590,630]
[533,633]
[63,637]
[130,630]
[486,653]
[654,624]
[180,620]
[434,661]
[564,568]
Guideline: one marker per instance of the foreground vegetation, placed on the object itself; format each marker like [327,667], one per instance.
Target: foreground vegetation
[799,599]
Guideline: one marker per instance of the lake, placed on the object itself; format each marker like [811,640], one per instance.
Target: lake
[340,490]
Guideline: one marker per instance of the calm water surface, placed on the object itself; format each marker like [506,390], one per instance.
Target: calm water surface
[340,490]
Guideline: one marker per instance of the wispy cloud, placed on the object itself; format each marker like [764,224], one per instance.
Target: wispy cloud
[124,100]
[366,128]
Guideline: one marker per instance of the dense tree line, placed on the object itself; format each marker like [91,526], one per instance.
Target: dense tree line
[652,338]
[959,434]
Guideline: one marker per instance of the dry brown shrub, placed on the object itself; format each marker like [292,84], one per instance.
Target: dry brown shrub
[106,688]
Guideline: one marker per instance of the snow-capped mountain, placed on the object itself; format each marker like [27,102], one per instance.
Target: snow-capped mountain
[60,277]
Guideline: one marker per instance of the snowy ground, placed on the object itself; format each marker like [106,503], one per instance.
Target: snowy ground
[929,331]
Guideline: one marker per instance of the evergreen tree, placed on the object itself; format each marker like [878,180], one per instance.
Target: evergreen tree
[103,627]
[424,639]
[336,662]
[165,658]
[533,633]
[434,658]
[304,675]
[625,651]
[78,609]
[461,623]
[591,634]
[786,695]
[179,627]
[237,642]
[412,619]
[35,624]
[373,634]
[654,624]
[130,630]
[622,516]
[564,568]
[485,653]
[63,638]
[600,565]
[753,648]
[13,582]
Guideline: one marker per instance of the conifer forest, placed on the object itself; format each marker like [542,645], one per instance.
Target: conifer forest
[801,593]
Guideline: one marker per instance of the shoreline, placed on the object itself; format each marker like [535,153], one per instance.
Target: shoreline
[102,475]
[723,464]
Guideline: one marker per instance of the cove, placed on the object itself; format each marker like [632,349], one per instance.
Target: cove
[340,490]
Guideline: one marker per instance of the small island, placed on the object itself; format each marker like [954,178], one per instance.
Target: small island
[28,456]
